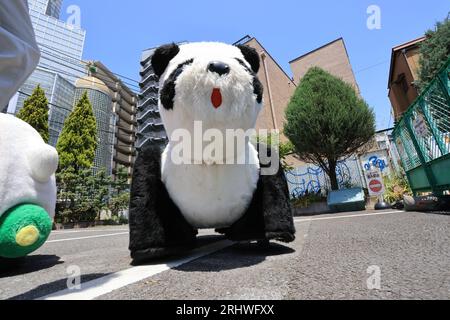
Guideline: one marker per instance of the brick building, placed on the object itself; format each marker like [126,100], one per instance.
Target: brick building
[331,57]
[278,88]
[402,76]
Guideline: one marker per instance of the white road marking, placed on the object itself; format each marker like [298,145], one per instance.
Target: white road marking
[297,220]
[347,217]
[101,286]
[89,237]
[58,232]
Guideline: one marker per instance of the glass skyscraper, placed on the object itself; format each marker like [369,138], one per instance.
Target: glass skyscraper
[53,8]
[60,94]
[60,65]
[61,44]
[62,74]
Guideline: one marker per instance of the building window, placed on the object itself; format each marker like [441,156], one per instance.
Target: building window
[403,83]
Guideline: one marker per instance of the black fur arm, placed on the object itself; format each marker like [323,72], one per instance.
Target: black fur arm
[157,227]
[143,199]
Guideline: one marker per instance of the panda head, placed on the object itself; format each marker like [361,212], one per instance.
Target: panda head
[211,82]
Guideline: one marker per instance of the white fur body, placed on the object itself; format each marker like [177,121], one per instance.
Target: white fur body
[211,195]
[27,167]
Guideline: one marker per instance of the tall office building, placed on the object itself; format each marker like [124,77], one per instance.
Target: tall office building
[53,8]
[60,93]
[60,65]
[61,43]
[150,126]
[124,109]
[62,74]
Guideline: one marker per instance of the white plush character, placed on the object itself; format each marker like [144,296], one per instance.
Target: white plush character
[27,188]
[214,85]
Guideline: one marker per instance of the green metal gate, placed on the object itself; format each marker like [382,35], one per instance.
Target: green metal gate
[422,137]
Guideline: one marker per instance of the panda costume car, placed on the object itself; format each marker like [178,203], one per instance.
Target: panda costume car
[27,188]
[214,84]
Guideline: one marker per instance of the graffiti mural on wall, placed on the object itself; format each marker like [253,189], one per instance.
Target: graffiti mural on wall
[375,162]
[377,159]
[308,182]
[312,179]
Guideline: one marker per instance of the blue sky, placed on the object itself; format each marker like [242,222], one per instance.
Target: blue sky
[118,31]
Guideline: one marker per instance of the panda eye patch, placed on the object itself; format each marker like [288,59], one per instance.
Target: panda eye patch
[242,63]
[258,89]
[167,93]
[180,67]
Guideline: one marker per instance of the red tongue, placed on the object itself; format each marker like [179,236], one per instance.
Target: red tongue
[216,98]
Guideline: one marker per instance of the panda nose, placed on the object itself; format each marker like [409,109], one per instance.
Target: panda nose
[219,68]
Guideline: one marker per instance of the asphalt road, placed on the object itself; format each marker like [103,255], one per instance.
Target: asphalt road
[404,255]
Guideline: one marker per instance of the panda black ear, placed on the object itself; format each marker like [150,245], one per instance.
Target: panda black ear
[251,56]
[162,56]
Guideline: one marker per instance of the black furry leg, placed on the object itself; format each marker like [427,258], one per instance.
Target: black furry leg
[276,208]
[269,216]
[157,227]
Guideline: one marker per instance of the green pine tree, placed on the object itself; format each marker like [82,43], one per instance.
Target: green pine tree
[120,192]
[434,52]
[78,140]
[35,112]
[327,121]
[82,195]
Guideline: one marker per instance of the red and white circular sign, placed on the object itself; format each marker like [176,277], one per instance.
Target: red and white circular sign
[375,186]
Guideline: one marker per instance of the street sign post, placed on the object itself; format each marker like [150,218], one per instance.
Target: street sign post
[375,182]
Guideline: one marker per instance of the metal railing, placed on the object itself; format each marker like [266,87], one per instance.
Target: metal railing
[422,136]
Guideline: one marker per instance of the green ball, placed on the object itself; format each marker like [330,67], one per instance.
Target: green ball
[23,229]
